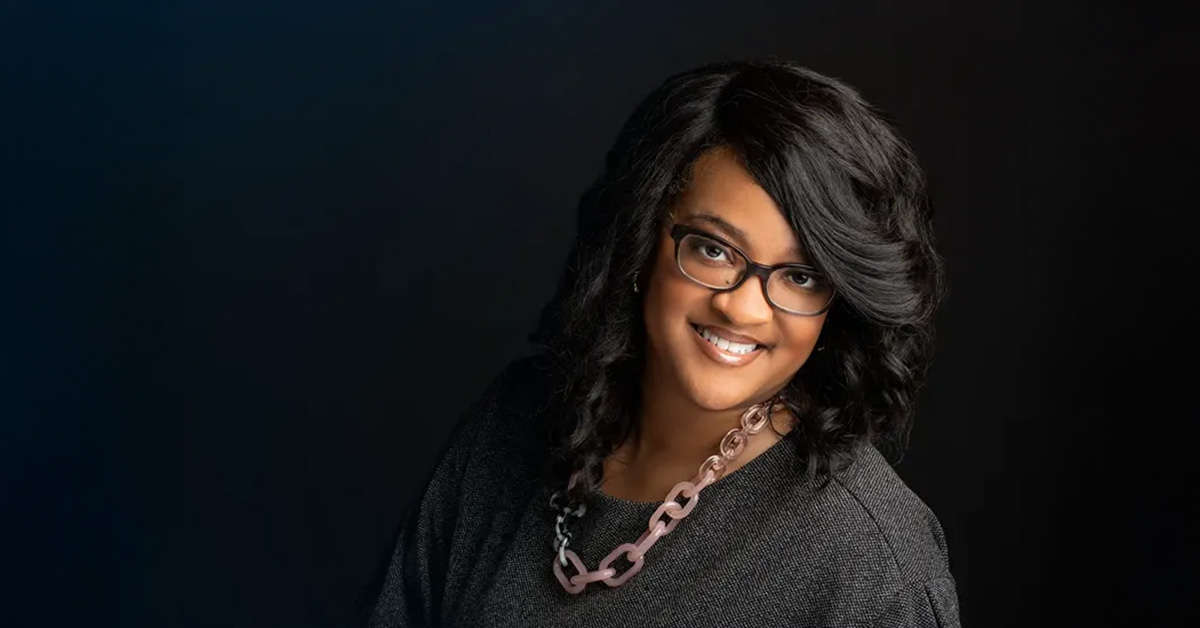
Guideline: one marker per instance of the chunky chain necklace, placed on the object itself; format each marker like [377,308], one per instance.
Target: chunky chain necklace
[732,444]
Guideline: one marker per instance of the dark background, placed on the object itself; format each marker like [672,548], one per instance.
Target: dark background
[256,259]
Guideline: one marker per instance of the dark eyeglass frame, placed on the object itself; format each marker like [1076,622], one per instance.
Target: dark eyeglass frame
[679,232]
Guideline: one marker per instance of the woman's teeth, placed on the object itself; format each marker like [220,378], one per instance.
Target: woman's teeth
[725,345]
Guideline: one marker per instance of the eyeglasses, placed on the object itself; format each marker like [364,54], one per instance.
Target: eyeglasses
[714,263]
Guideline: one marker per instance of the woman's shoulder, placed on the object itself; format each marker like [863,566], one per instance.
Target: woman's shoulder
[881,506]
[507,418]
[523,388]
[526,380]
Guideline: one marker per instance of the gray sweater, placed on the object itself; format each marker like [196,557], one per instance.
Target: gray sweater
[764,546]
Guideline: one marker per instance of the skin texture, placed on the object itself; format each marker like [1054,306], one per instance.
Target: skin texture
[689,400]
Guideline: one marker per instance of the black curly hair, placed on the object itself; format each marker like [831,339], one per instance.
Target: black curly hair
[854,194]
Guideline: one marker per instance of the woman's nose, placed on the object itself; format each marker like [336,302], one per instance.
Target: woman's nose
[746,305]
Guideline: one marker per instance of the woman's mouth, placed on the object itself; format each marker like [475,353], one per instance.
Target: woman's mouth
[724,351]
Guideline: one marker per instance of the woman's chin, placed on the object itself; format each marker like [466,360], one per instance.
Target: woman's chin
[719,398]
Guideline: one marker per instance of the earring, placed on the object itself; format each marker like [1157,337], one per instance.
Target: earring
[821,347]
[635,285]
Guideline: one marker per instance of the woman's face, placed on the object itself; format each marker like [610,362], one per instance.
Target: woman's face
[721,197]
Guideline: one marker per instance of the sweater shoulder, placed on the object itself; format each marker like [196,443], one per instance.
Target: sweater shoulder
[521,388]
[891,512]
[505,429]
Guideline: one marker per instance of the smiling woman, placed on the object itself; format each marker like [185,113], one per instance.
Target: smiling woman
[747,317]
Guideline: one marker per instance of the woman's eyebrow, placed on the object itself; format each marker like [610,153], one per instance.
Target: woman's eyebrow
[736,234]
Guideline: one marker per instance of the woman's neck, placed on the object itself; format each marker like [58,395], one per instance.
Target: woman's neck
[672,438]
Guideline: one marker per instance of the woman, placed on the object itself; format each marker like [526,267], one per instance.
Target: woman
[744,322]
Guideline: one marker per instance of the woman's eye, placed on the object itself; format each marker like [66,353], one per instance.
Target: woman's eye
[710,251]
[714,252]
[802,279]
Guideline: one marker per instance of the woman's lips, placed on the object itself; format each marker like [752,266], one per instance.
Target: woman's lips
[720,356]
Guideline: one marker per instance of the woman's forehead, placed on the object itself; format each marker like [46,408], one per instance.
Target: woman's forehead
[767,238]
[722,195]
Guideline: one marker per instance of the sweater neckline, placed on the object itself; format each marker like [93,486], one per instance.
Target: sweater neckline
[758,467]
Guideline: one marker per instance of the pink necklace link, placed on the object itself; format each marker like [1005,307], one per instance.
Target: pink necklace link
[732,445]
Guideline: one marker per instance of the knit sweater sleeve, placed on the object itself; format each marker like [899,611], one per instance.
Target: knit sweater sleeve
[412,591]
[929,604]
